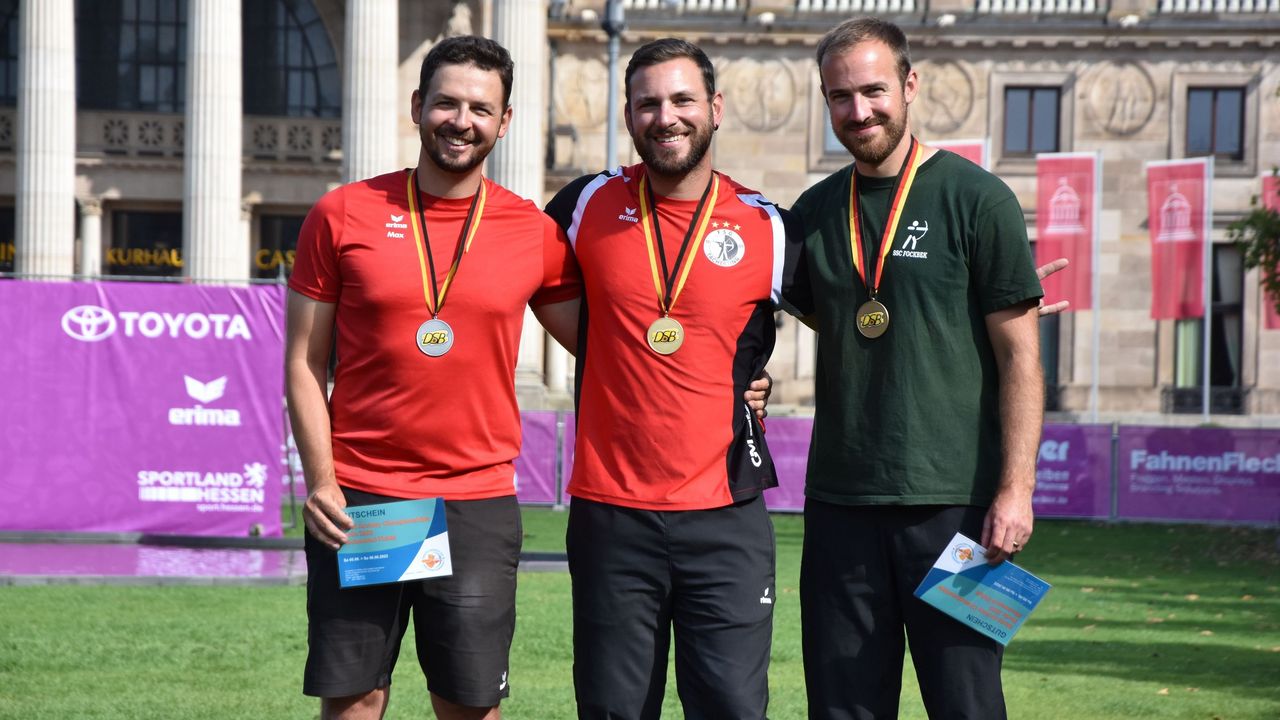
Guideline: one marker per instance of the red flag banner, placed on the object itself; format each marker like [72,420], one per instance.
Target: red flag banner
[1270,199]
[974,151]
[1066,203]
[1176,191]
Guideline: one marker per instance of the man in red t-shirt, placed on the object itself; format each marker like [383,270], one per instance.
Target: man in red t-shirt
[682,269]
[425,275]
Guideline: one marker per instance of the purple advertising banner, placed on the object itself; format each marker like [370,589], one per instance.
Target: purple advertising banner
[141,408]
[1073,472]
[788,441]
[536,464]
[566,454]
[1213,474]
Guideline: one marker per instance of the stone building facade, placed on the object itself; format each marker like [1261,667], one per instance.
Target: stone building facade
[1120,78]
[198,149]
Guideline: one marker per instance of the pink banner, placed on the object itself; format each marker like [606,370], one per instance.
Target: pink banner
[975,151]
[142,408]
[1214,474]
[1271,199]
[1065,205]
[1176,218]
[1073,472]
[536,464]
[788,439]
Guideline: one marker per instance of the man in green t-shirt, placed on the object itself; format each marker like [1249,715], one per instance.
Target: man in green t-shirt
[929,392]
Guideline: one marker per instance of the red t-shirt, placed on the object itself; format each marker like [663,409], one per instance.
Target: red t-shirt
[673,432]
[405,424]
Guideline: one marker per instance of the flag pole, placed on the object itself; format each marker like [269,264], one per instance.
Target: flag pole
[1207,281]
[1095,291]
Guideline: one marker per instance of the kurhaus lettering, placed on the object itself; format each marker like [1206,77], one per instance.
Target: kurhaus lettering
[143,257]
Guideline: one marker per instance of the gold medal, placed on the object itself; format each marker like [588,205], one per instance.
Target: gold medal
[873,319]
[872,316]
[665,335]
[435,337]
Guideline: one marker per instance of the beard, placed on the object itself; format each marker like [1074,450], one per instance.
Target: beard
[876,150]
[432,139]
[663,162]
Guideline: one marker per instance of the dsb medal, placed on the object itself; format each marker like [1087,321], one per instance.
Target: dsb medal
[435,337]
[873,319]
[665,336]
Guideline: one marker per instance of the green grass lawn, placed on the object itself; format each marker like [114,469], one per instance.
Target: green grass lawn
[1144,621]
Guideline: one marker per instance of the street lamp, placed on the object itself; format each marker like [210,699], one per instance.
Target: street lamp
[613,24]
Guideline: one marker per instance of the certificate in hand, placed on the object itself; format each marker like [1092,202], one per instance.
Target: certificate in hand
[395,542]
[993,599]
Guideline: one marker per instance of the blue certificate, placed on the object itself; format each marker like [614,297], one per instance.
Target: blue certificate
[395,542]
[993,599]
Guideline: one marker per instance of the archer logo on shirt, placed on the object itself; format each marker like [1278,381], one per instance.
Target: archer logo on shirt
[630,216]
[724,245]
[915,232]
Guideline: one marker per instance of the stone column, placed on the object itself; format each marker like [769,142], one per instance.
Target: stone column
[45,213]
[517,162]
[91,237]
[212,246]
[370,105]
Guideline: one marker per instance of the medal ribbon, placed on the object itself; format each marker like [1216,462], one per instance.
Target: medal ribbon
[667,295]
[426,263]
[902,186]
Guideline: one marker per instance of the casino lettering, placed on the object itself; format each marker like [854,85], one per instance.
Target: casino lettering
[267,259]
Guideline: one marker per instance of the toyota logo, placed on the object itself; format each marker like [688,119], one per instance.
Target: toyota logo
[88,323]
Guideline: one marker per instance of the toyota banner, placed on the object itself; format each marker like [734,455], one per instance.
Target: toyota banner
[142,408]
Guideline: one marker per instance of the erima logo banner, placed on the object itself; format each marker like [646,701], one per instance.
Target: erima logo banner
[630,216]
[915,232]
[205,392]
[92,323]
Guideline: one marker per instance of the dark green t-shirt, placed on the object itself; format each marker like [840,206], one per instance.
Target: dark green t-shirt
[912,417]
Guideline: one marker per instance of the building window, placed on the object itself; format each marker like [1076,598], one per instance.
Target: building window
[1215,122]
[131,55]
[289,65]
[830,143]
[278,240]
[8,238]
[8,53]
[1226,339]
[145,244]
[1030,120]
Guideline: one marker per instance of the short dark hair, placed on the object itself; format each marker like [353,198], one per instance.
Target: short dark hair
[860,29]
[469,50]
[660,51]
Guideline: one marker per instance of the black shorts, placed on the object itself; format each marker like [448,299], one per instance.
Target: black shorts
[639,574]
[462,624]
[858,574]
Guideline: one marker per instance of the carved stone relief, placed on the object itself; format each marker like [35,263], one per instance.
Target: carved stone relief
[762,94]
[1119,97]
[946,96]
[581,91]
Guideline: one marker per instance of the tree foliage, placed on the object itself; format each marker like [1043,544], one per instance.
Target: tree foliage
[1257,234]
